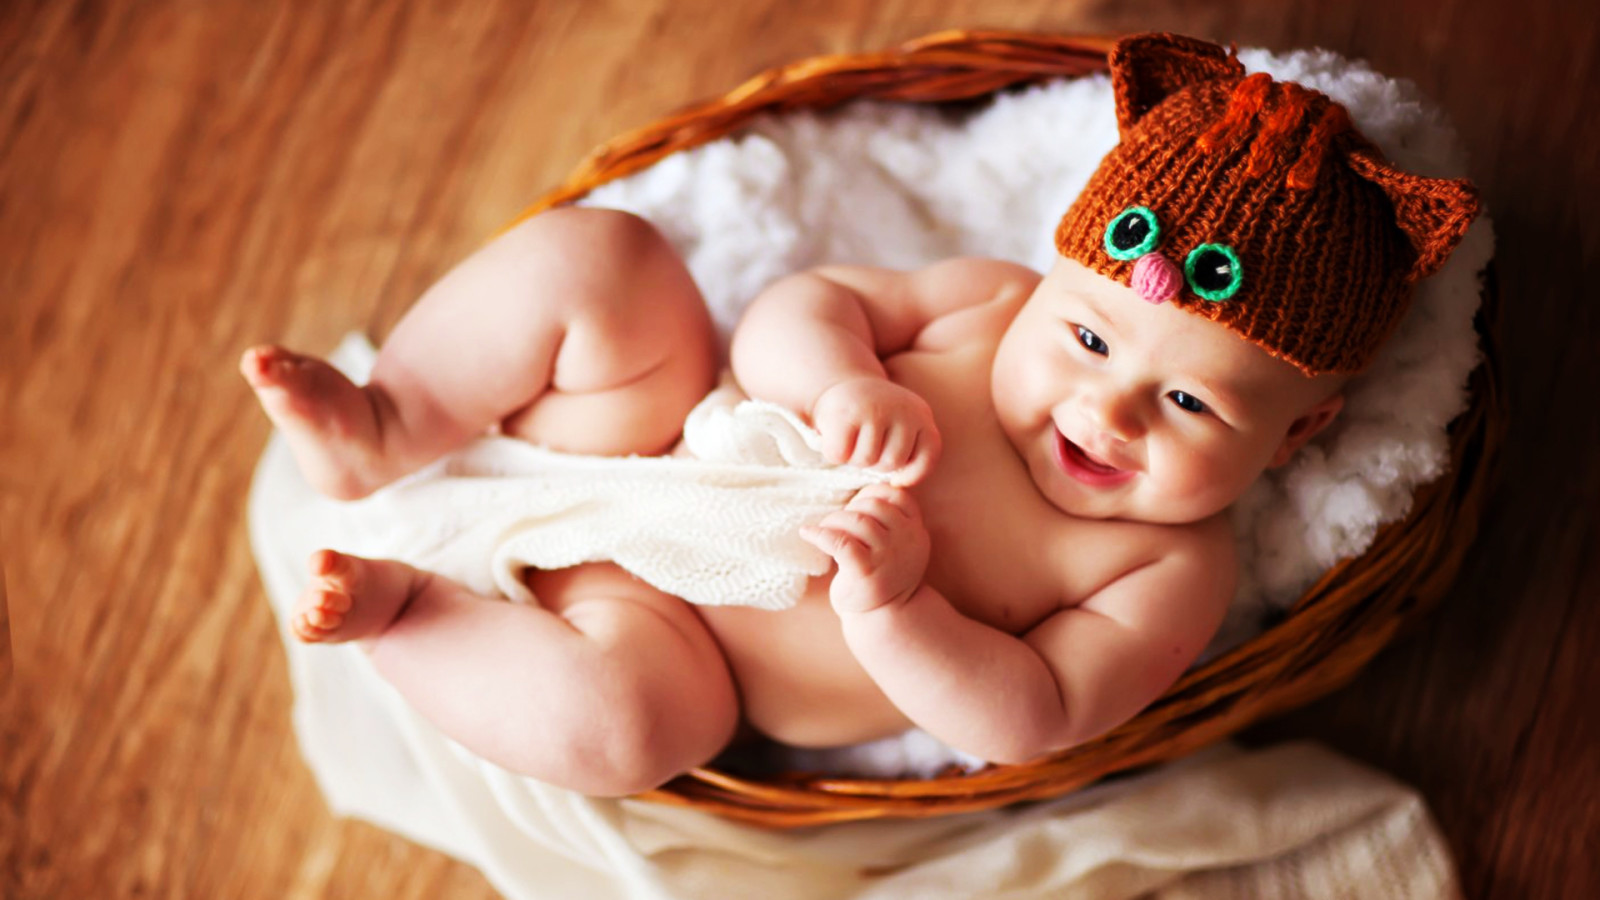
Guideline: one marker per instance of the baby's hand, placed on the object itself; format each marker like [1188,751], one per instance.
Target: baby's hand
[877,424]
[880,545]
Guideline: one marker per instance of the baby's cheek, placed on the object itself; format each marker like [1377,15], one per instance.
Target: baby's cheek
[1206,484]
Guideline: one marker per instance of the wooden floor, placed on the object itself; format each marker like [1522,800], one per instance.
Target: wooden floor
[181,179]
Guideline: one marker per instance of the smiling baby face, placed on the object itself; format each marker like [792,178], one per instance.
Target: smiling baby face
[1240,253]
[1127,409]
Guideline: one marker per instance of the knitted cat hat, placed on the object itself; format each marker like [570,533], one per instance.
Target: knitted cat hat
[1256,204]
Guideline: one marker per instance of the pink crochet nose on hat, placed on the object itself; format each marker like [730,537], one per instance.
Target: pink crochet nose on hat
[1156,278]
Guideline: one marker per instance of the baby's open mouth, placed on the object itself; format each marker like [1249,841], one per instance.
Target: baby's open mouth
[1078,464]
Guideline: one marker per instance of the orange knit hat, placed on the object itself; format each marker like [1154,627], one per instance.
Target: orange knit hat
[1256,204]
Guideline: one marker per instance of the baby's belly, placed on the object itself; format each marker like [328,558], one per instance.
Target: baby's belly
[798,682]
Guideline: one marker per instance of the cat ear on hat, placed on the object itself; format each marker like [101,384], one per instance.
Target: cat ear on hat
[1147,68]
[1433,213]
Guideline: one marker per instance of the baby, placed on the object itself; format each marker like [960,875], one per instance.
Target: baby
[1069,443]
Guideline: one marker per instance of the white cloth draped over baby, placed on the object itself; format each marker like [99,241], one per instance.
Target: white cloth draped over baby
[718,527]
[892,186]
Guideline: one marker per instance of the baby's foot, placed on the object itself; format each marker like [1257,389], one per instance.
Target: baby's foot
[329,422]
[349,597]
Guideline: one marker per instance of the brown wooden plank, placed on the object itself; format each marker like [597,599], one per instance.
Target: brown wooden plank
[178,180]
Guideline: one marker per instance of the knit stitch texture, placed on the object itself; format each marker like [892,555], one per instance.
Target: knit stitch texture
[1326,237]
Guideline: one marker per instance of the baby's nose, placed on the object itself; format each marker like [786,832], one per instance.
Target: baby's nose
[1156,278]
[1115,414]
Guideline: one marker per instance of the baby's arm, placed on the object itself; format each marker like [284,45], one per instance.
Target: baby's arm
[1009,698]
[814,342]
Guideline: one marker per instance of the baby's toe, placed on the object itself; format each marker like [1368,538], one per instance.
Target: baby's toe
[305,628]
[266,365]
[333,602]
[338,573]
[326,614]
[320,614]
[255,364]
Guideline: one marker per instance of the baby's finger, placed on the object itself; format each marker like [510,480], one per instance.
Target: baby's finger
[853,523]
[888,498]
[846,550]
[859,523]
[898,446]
[869,445]
[880,510]
[838,443]
[924,454]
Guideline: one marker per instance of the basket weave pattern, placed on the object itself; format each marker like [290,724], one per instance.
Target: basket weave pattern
[1344,619]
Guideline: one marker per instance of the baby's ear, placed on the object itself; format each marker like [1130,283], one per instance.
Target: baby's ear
[1146,68]
[1432,212]
[1307,427]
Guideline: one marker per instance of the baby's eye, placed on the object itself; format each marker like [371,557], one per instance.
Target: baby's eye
[1091,341]
[1133,233]
[1213,272]
[1187,402]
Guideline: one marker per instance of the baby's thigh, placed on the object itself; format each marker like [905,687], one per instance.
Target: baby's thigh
[637,346]
[580,329]
[623,297]
[672,680]
[590,593]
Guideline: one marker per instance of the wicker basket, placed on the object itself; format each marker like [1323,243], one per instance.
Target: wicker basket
[1334,629]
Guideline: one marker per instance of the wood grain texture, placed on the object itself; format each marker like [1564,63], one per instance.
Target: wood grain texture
[181,179]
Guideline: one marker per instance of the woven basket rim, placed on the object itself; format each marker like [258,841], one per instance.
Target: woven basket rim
[1339,623]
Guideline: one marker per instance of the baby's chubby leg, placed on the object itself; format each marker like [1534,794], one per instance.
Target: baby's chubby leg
[580,329]
[613,689]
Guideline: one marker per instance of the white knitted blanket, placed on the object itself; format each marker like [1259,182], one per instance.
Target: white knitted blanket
[718,527]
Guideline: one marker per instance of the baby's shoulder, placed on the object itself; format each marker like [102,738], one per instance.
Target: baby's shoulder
[1203,541]
[1188,570]
[973,300]
[972,275]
